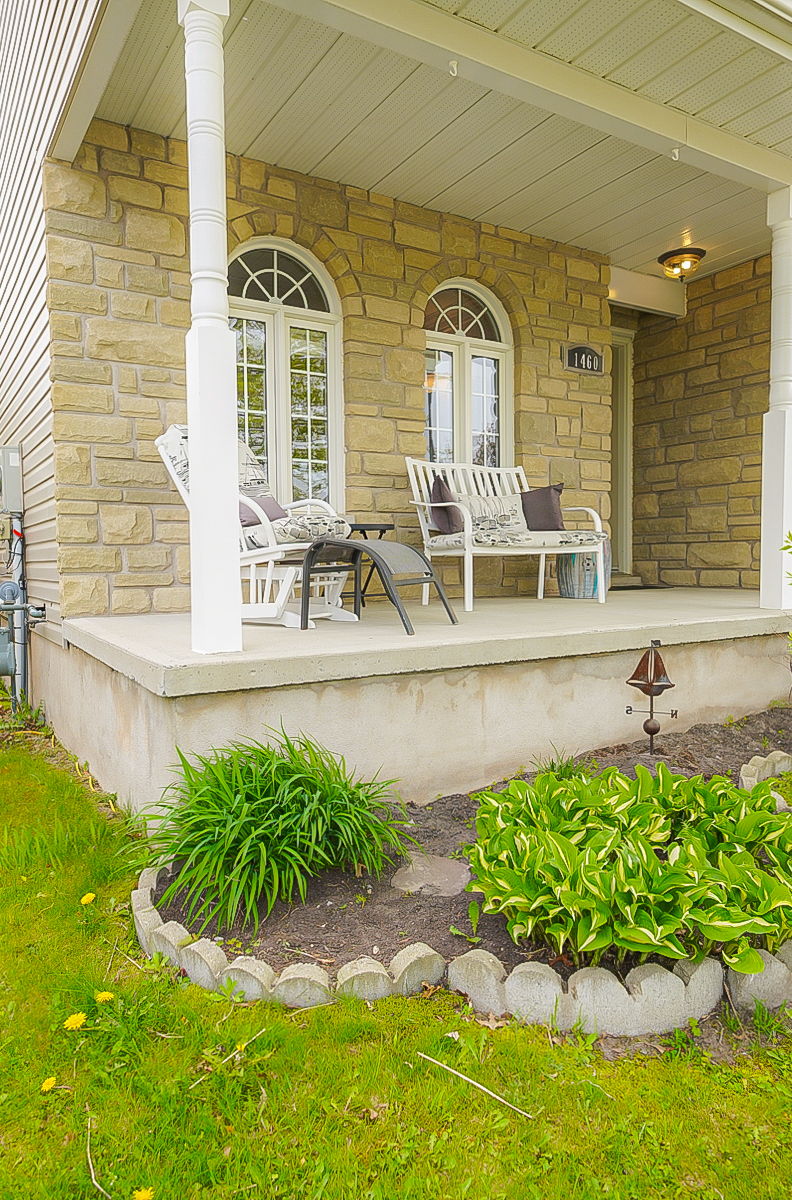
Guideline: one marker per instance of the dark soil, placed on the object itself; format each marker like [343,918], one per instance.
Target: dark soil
[345,917]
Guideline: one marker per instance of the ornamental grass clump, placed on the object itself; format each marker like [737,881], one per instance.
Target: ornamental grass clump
[660,864]
[252,823]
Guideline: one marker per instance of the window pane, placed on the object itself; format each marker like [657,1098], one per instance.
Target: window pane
[272,275]
[439,392]
[455,310]
[308,383]
[251,385]
[485,410]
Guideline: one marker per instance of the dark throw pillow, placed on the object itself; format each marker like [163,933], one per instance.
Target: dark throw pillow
[446,520]
[542,507]
[265,500]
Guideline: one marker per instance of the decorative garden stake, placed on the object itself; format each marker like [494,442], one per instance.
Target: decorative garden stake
[651,679]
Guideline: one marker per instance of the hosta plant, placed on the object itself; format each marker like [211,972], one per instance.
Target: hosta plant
[252,823]
[660,864]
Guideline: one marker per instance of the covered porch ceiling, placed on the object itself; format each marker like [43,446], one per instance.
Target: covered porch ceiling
[664,128]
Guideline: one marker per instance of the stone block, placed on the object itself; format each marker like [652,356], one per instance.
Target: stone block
[107,133]
[101,427]
[134,191]
[159,233]
[82,397]
[533,993]
[134,342]
[130,472]
[772,987]
[719,554]
[69,259]
[146,920]
[479,975]
[149,878]
[784,954]
[415,965]
[759,768]
[72,464]
[598,1002]
[76,297]
[660,999]
[84,597]
[130,600]
[204,962]
[302,985]
[432,875]
[252,977]
[73,191]
[169,940]
[323,206]
[703,985]
[133,306]
[364,978]
[76,529]
[124,524]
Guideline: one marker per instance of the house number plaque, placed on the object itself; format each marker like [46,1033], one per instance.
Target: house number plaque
[582,358]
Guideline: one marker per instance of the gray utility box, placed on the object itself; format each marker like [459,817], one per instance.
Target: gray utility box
[11,479]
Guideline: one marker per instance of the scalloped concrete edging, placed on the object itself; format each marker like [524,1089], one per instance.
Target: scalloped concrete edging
[652,999]
[778,762]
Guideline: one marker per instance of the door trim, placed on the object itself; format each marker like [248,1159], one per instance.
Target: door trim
[622,449]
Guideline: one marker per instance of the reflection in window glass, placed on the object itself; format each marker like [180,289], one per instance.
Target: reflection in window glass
[439,392]
[485,397]
[252,385]
[309,425]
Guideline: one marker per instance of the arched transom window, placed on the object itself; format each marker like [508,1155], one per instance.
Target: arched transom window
[285,315]
[467,377]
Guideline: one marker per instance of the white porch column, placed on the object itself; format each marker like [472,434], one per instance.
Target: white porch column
[775,586]
[216,594]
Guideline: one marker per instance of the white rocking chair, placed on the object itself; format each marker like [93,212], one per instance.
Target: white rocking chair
[271,569]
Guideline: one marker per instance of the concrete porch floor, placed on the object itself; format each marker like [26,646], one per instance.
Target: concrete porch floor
[154,649]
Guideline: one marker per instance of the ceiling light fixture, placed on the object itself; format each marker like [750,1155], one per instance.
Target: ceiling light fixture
[677,264]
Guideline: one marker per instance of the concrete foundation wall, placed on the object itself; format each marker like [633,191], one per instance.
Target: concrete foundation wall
[448,730]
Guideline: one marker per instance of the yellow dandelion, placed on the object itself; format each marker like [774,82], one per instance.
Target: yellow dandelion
[48,1084]
[88,898]
[240,1046]
[104,997]
[75,1021]
[143,1194]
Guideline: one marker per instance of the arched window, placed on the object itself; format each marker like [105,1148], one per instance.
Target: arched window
[287,322]
[467,377]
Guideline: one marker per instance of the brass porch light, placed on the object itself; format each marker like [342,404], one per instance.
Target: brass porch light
[677,264]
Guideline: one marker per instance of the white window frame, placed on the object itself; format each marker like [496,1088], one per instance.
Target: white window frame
[278,320]
[463,350]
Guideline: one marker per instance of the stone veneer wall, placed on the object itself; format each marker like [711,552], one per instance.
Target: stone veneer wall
[701,387]
[118,297]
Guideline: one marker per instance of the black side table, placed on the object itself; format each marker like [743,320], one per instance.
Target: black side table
[367,530]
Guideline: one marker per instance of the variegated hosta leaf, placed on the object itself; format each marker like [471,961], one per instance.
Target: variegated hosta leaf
[657,863]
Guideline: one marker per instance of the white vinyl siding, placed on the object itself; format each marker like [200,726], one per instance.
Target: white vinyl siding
[41,46]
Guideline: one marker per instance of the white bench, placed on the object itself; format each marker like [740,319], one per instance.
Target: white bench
[465,479]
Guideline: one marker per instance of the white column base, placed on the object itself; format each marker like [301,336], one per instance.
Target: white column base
[215,583]
[775,590]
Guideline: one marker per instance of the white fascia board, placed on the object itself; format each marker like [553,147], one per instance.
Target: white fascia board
[763,24]
[437,38]
[629,289]
[110,31]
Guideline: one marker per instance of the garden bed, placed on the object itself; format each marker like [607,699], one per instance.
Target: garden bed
[345,917]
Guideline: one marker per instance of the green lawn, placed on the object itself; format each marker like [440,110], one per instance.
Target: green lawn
[333,1102]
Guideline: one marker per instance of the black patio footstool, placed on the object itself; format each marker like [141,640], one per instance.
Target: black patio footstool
[327,556]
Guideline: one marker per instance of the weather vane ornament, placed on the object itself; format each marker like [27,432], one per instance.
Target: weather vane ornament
[650,678]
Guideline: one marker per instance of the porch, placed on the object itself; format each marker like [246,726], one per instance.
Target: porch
[473,702]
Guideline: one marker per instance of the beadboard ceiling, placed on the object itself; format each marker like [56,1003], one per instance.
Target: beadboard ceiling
[305,96]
